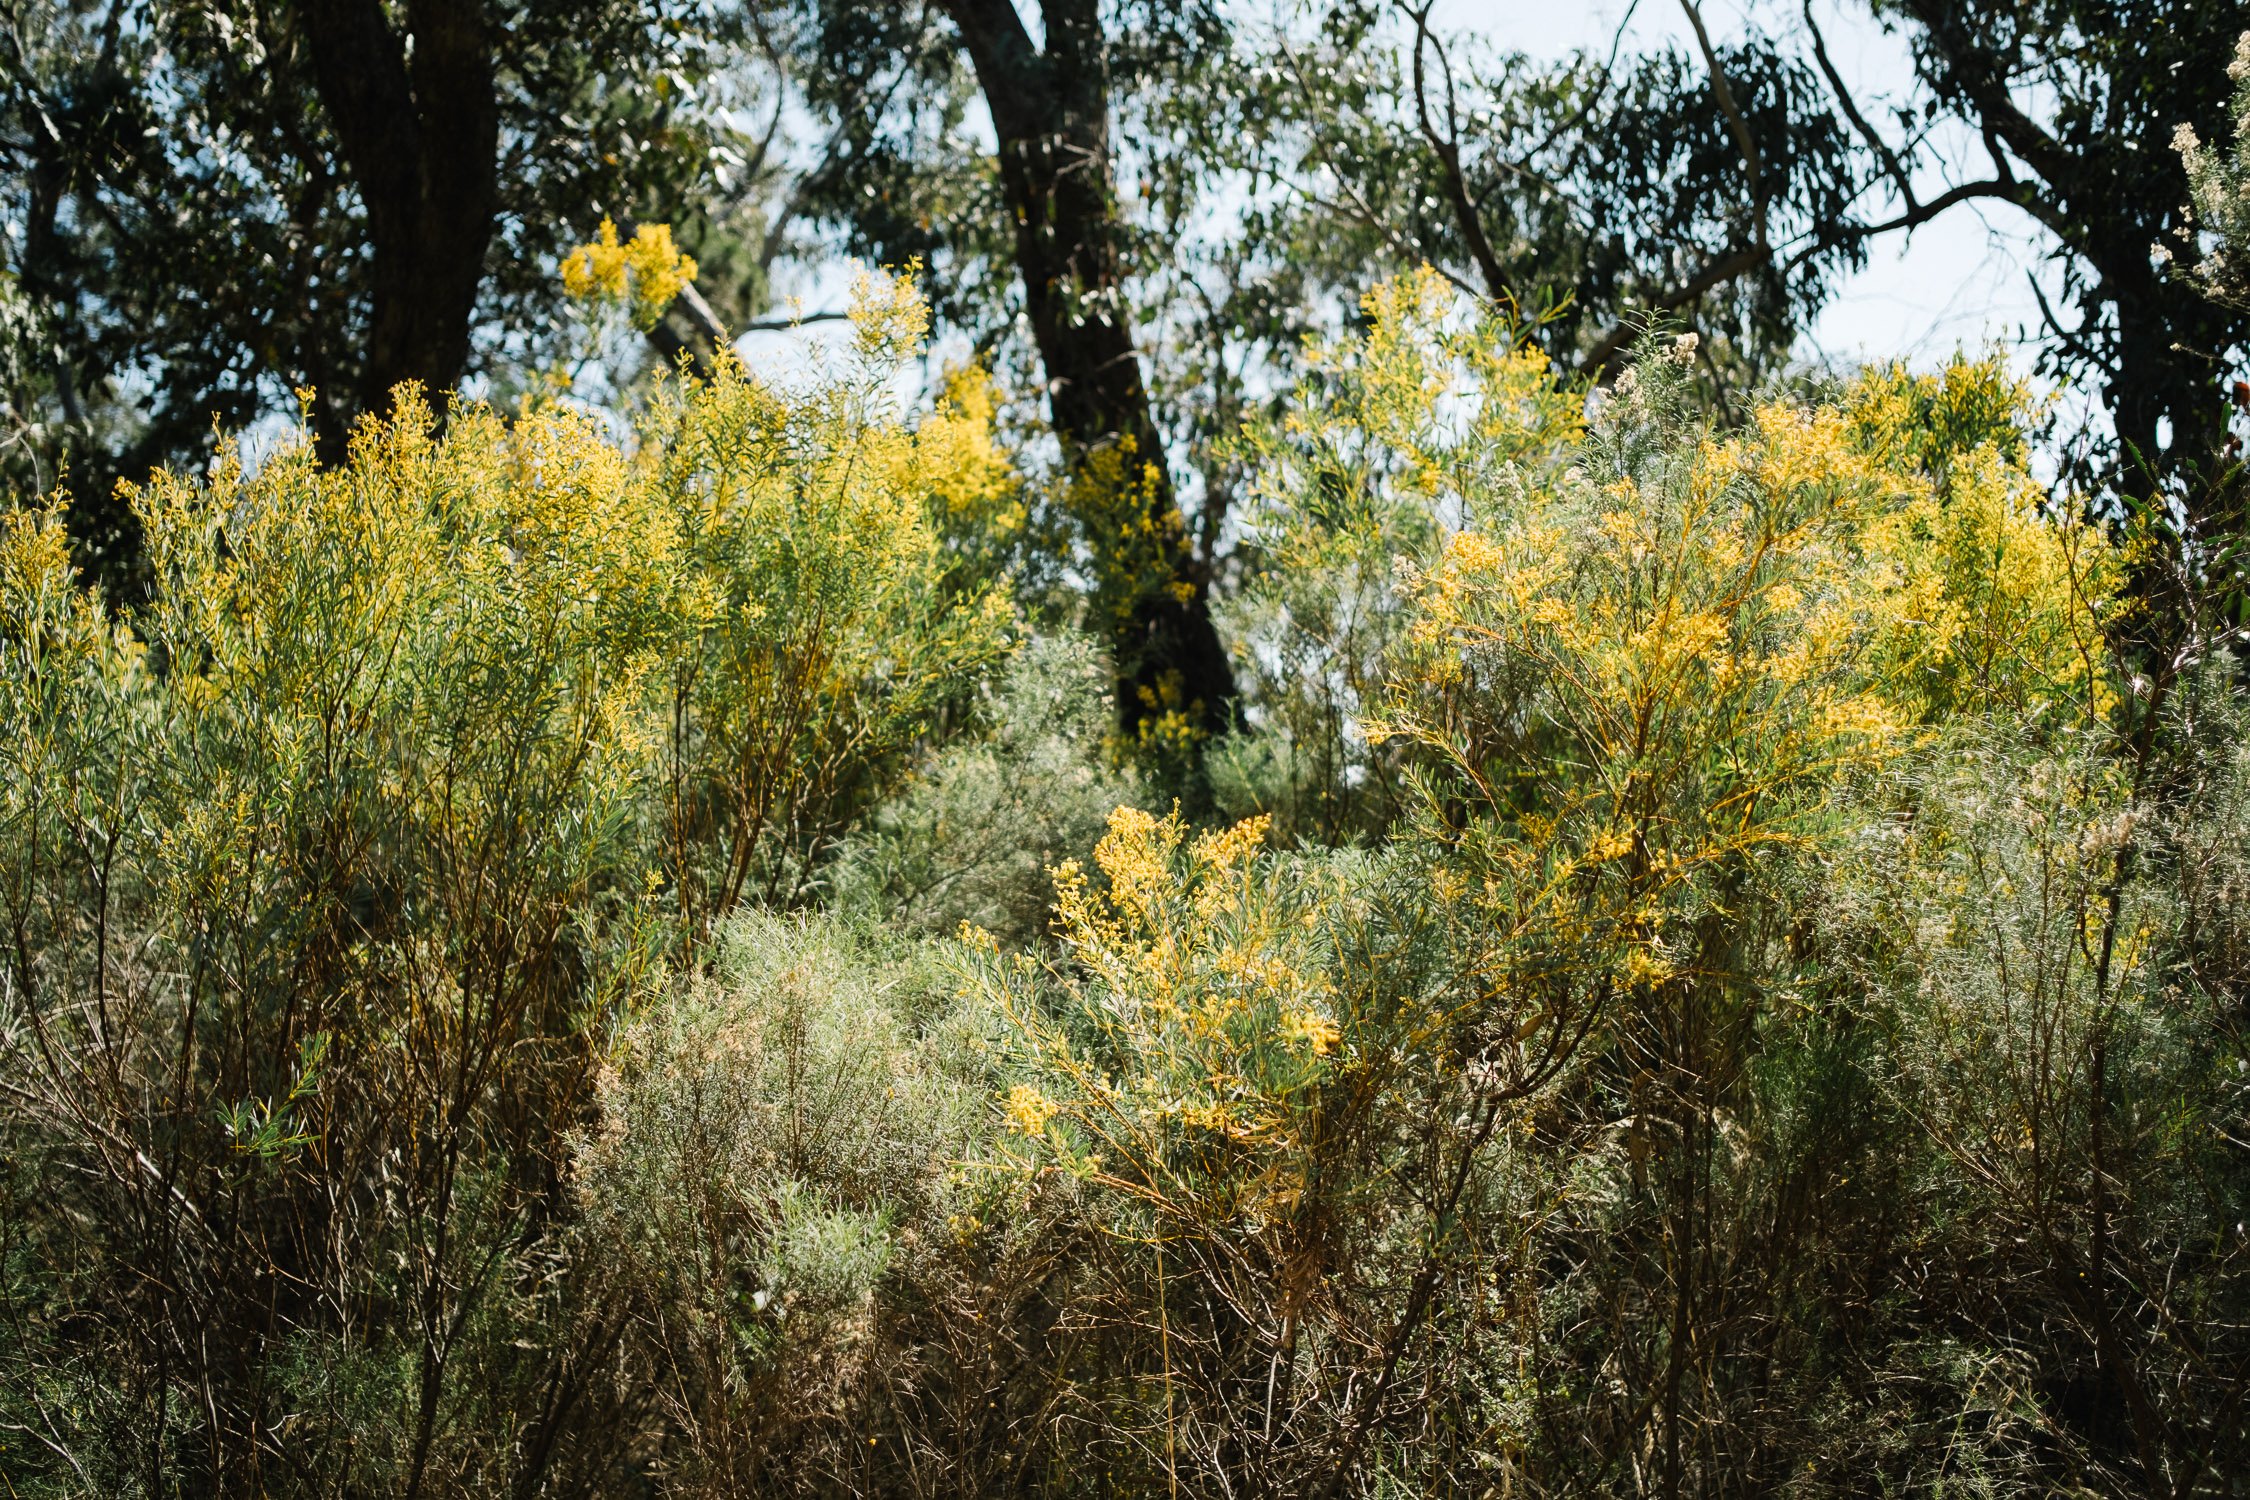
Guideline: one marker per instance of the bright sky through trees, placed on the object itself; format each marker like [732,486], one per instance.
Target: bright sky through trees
[1961,282]
[1957,282]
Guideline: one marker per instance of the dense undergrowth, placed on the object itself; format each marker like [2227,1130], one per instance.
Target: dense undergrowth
[537,965]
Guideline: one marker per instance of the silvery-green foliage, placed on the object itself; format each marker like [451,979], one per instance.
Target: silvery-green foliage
[2050,964]
[2219,183]
[772,1158]
[973,838]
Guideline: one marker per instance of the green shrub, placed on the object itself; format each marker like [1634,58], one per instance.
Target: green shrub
[817,628]
[328,872]
[768,1180]
[1725,986]
[973,836]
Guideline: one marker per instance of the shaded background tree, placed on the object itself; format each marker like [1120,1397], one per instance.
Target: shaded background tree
[1580,193]
[2075,103]
[1047,202]
[220,202]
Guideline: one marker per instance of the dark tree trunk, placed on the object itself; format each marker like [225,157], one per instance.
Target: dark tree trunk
[1050,110]
[2166,396]
[418,119]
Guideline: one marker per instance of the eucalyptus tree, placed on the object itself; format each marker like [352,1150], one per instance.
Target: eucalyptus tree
[1184,192]
[1585,195]
[911,180]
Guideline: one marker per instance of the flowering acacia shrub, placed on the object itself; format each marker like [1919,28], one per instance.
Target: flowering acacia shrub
[369,753]
[330,867]
[642,274]
[2005,596]
[1376,458]
[1199,976]
[818,624]
[1230,1060]
[1407,1144]
[1651,671]
[1649,688]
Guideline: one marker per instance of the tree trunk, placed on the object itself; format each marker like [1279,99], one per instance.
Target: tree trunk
[418,120]
[1050,110]
[2165,395]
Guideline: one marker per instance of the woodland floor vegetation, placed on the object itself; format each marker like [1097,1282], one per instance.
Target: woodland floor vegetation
[726,937]
[544,965]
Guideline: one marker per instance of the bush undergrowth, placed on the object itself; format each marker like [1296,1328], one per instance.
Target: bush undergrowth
[543,965]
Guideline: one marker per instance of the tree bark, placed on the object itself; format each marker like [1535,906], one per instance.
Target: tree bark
[1050,110]
[418,120]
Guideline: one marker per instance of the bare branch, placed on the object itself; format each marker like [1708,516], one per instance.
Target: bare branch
[1737,122]
[1892,166]
[783,325]
[1448,150]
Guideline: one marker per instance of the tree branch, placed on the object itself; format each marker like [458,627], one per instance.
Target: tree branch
[1448,150]
[1359,206]
[1714,273]
[1753,165]
[1726,268]
[1892,166]
[1978,82]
